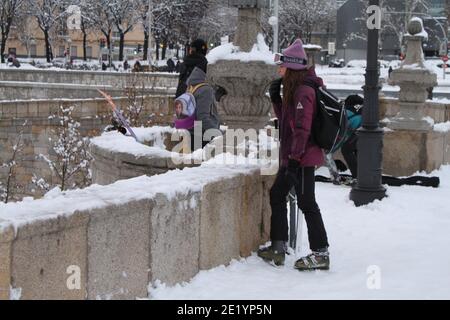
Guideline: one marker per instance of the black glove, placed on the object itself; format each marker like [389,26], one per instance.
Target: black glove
[122,130]
[115,125]
[292,172]
[274,90]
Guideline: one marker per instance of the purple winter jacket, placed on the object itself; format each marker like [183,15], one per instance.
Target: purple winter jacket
[187,123]
[295,126]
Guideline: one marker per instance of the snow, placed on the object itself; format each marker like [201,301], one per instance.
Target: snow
[259,52]
[430,120]
[118,143]
[442,127]
[58,203]
[15,294]
[312,47]
[23,66]
[405,237]
[353,76]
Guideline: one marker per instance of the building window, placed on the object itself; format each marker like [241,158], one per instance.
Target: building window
[89,52]
[74,51]
[12,51]
[61,50]
[33,50]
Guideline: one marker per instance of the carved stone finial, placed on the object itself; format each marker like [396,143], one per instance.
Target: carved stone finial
[415,27]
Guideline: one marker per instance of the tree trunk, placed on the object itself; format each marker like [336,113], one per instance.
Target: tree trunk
[108,44]
[3,48]
[164,50]
[48,49]
[85,45]
[157,50]
[187,48]
[121,46]
[146,38]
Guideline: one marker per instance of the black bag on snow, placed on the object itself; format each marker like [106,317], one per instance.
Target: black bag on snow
[330,125]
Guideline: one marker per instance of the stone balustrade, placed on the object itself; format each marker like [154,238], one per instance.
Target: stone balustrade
[93,115]
[49,84]
[117,239]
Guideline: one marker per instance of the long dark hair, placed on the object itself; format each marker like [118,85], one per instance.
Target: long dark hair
[291,81]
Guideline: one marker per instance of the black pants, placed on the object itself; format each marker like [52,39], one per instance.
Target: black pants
[350,153]
[306,199]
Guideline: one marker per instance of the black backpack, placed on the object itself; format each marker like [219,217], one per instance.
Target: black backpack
[330,125]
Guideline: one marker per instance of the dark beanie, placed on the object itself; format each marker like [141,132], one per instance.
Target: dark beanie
[200,46]
[354,100]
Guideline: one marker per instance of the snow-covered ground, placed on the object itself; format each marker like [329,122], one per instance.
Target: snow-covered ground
[401,244]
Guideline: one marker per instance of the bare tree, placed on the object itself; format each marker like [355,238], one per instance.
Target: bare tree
[7,190]
[174,21]
[142,12]
[134,90]
[9,10]
[48,13]
[300,18]
[71,155]
[396,16]
[124,16]
[220,20]
[88,20]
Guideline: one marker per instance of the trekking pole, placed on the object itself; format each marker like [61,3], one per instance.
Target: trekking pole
[332,168]
[292,221]
[298,248]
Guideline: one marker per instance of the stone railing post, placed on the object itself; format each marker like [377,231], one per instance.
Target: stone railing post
[414,80]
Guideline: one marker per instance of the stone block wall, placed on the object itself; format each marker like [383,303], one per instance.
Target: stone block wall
[93,114]
[118,249]
[439,112]
[109,167]
[48,84]
[409,151]
[116,79]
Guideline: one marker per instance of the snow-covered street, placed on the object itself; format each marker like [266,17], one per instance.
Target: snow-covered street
[403,239]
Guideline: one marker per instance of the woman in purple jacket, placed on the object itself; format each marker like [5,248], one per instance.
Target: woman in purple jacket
[299,158]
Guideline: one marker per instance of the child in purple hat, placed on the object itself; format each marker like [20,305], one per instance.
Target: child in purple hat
[185,106]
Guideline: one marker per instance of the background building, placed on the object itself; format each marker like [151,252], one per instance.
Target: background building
[351,31]
[30,44]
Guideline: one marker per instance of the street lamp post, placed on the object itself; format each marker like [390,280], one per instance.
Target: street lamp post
[370,137]
[345,48]
[276,9]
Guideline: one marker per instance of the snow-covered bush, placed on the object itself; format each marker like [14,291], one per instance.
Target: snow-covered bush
[10,185]
[69,158]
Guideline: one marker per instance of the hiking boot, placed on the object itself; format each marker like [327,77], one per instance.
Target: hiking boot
[276,253]
[315,261]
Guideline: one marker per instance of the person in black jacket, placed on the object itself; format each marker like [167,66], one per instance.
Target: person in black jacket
[196,58]
[170,65]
